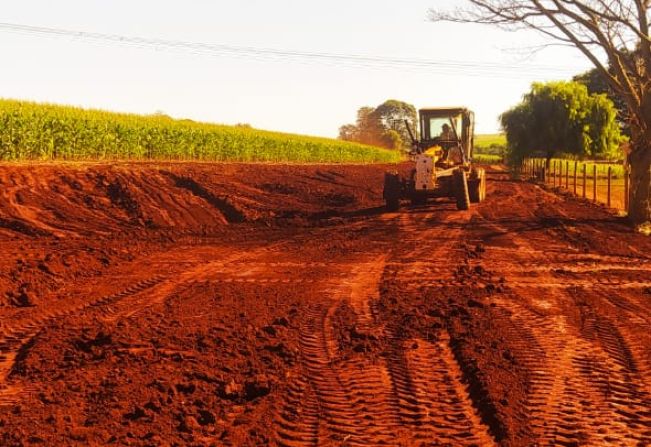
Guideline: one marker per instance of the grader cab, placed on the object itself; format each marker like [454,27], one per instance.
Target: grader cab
[442,158]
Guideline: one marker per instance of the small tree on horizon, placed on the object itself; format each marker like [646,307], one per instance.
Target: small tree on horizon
[383,125]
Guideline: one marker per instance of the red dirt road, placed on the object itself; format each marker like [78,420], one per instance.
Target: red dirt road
[199,305]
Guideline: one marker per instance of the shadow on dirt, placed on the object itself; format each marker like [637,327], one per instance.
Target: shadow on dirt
[522,225]
[362,212]
[22,227]
[222,204]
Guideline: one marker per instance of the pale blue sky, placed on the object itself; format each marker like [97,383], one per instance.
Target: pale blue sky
[291,95]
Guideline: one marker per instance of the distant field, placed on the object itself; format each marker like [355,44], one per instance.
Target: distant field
[486,158]
[488,140]
[30,131]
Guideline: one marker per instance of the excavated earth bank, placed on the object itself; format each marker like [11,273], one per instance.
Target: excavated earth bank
[189,304]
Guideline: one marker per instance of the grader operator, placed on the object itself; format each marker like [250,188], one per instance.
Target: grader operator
[442,160]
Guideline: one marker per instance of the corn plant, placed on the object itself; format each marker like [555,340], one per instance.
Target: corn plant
[30,131]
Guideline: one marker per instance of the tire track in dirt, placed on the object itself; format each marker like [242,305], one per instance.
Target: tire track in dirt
[337,411]
[187,267]
[411,394]
[427,375]
[326,389]
[14,340]
[628,315]
[324,402]
[582,389]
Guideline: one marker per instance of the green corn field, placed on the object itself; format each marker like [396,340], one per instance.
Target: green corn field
[30,131]
[486,158]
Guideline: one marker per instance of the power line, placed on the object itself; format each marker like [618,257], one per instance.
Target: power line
[468,68]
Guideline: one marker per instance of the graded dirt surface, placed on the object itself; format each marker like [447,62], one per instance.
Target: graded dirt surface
[237,305]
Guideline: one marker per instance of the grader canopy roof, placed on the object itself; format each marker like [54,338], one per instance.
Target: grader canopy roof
[444,111]
[433,122]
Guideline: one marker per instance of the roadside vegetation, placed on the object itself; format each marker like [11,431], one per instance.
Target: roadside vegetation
[30,131]
[562,119]
[487,158]
[490,148]
[489,143]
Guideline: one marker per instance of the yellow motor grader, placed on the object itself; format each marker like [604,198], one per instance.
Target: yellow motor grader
[442,157]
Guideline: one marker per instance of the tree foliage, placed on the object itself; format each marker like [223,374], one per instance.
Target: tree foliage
[614,36]
[383,125]
[598,84]
[562,117]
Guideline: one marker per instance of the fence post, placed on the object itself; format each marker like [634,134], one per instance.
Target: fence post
[626,186]
[532,168]
[594,183]
[560,174]
[610,173]
[585,179]
[538,170]
[567,175]
[575,163]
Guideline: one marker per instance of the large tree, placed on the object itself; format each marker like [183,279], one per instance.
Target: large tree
[614,36]
[392,115]
[562,117]
[598,84]
[383,125]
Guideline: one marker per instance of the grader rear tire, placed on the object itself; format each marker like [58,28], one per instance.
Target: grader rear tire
[392,191]
[461,190]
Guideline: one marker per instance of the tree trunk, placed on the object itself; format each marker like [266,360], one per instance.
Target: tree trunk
[640,158]
[640,191]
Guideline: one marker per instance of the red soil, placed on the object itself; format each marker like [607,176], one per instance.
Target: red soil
[198,304]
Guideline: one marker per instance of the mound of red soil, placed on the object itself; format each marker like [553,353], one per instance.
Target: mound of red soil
[81,219]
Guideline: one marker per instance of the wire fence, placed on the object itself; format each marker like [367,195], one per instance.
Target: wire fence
[606,183]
